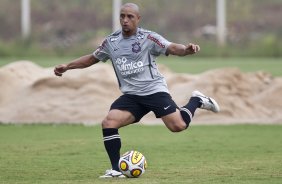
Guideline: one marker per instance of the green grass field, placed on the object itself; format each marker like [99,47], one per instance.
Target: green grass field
[188,64]
[203,154]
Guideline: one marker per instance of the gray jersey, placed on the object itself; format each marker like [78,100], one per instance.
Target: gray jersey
[134,61]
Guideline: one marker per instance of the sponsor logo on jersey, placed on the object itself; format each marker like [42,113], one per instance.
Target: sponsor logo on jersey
[136,47]
[127,68]
[157,41]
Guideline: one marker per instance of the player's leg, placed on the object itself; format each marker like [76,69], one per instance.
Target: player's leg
[180,119]
[117,118]
[174,122]
[112,142]
[197,100]
[124,111]
[164,107]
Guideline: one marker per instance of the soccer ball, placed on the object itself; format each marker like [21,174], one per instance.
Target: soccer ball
[132,164]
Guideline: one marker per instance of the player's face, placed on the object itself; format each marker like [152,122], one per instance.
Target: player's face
[129,20]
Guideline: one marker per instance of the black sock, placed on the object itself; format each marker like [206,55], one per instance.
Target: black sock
[188,110]
[112,144]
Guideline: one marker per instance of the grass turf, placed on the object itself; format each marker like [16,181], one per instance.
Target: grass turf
[203,154]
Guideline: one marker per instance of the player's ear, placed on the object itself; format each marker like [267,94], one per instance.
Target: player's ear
[138,18]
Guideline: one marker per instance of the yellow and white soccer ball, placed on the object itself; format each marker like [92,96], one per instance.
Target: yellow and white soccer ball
[132,164]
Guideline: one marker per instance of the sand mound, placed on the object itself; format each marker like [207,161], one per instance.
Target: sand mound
[31,94]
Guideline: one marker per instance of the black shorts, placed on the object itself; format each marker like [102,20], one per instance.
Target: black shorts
[160,103]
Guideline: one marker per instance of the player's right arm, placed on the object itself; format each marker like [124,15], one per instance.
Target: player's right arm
[182,50]
[82,62]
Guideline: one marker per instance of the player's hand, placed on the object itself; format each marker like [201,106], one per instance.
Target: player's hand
[192,48]
[60,69]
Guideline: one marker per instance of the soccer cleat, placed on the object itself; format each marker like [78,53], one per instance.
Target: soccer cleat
[208,103]
[112,174]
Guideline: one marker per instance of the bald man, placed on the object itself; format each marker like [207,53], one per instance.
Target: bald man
[133,52]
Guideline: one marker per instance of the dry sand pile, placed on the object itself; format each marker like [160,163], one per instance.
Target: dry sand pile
[31,94]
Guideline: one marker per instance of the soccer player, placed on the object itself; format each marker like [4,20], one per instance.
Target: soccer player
[133,52]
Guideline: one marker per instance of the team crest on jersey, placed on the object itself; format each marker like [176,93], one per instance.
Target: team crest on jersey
[136,47]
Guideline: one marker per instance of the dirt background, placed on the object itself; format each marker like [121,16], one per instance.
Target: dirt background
[31,94]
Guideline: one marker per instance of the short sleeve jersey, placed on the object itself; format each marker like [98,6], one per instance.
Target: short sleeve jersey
[134,61]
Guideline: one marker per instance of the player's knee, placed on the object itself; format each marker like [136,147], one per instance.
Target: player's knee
[105,123]
[108,123]
[178,127]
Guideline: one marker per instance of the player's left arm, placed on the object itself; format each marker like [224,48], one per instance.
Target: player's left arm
[182,50]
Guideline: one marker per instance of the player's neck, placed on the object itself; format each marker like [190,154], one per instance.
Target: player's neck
[129,33]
